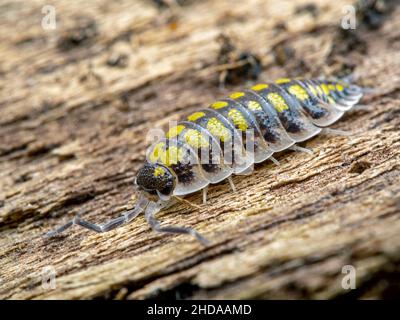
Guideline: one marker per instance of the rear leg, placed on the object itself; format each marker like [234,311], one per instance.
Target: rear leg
[361,107]
[205,190]
[274,160]
[336,132]
[230,180]
[301,149]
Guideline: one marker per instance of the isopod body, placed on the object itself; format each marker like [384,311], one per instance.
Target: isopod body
[227,138]
[279,114]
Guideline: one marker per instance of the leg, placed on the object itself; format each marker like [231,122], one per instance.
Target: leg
[231,183]
[153,208]
[361,107]
[336,132]
[301,149]
[222,79]
[100,228]
[205,195]
[370,90]
[191,204]
[276,162]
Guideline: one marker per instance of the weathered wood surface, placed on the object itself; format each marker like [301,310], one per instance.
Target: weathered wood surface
[77,101]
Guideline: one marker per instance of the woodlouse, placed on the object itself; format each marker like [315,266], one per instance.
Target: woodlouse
[213,143]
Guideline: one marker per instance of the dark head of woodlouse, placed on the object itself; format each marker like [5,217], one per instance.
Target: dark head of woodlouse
[156,179]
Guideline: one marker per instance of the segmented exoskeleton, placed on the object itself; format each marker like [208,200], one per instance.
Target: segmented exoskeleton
[211,144]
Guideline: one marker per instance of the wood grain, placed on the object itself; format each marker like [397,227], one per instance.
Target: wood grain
[76,104]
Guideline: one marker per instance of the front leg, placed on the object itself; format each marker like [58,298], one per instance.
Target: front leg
[150,213]
[108,226]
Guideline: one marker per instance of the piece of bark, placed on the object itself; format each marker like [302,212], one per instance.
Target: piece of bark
[73,126]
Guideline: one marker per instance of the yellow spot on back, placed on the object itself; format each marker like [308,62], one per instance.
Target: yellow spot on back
[260,86]
[331,87]
[298,92]
[175,131]
[236,95]
[159,171]
[172,155]
[254,105]
[219,104]
[238,119]
[195,139]
[339,87]
[277,101]
[157,151]
[282,80]
[217,128]
[325,89]
[196,115]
